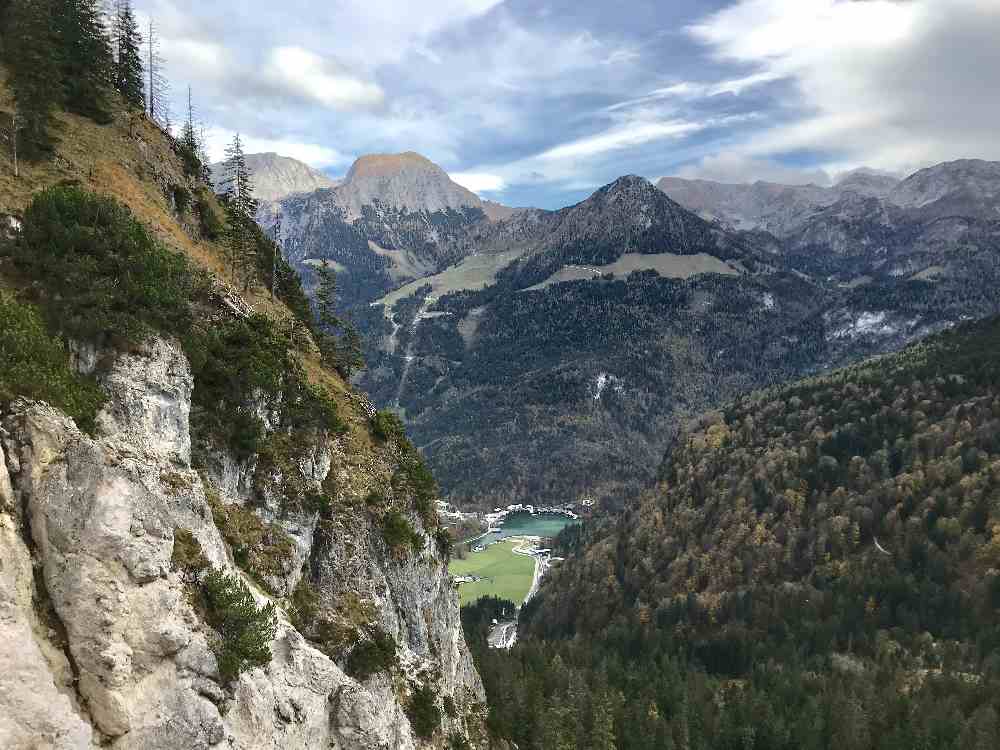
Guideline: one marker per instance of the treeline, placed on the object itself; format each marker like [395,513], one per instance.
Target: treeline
[819,567]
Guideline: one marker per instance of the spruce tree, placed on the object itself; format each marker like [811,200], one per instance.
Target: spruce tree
[237,192]
[85,60]
[34,73]
[191,144]
[128,59]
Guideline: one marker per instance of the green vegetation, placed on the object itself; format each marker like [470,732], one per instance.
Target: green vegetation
[374,654]
[188,556]
[399,533]
[504,574]
[423,712]
[262,549]
[816,569]
[96,272]
[412,476]
[304,605]
[245,630]
[36,365]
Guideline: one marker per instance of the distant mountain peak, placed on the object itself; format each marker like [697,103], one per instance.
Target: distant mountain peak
[276,177]
[406,181]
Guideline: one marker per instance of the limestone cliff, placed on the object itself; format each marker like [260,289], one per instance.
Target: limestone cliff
[100,642]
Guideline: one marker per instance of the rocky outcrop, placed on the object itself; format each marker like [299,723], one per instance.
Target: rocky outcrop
[103,635]
[276,177]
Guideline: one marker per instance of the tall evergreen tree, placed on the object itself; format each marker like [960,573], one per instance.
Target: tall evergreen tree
[85,59]
[339,341]
[34,73]
[237,191]
[191,147]
[128,58]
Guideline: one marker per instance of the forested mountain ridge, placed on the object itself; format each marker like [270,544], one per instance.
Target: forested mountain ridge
[817,567]
[606,323]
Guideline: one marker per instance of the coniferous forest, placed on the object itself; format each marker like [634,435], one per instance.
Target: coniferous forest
[817,567]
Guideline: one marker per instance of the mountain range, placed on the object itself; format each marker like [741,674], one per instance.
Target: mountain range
[551,354]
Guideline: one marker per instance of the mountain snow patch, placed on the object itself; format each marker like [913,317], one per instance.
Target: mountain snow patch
[603,381]
[768,301]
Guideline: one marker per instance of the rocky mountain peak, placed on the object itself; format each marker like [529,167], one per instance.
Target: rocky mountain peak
[405,181]
[276,177]
[867,182]
[950,180]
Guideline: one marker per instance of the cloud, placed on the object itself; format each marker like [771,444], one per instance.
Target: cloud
[894,85]
[633,134]
[736,168]
[479,182]
[315,155]
[320,79]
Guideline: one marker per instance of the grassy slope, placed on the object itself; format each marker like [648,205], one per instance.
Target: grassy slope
[109,161]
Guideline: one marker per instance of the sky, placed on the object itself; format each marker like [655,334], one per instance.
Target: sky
[540,103]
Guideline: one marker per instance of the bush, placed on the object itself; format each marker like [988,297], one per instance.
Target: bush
[182,198]
[99,271]
[386,426]
[304,605]
[372,656]
[188,556]
[211,221]
[400,534]
[35,365]
[262,549]
[245,630]
[422,711]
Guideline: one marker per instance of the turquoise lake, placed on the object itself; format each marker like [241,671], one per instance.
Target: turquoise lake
[525,524]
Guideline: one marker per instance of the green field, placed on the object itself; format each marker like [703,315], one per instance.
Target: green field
[511,574]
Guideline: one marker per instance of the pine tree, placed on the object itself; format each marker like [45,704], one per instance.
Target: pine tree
[85,58]
[128,60]
[237,191]
[339,342]
[190,143]
[34,73]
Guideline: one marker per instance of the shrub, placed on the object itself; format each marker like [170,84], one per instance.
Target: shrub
[386,426]
[100,272]
[449,707]
[399,533]
[35,364]
[304,605]
[245,630]
[182,198]
[263,550]
[188,556]
[371,656]
[422,711]
[210,218]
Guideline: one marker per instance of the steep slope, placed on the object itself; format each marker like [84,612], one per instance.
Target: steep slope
[208,537]
[276,177]
[817,567]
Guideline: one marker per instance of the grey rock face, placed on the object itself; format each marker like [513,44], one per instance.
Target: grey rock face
[124,661]
[276,177]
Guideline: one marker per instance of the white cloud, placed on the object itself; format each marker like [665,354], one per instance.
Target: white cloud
[479,182]
[319,79]
[895,85]
[315,155]
[632,134]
